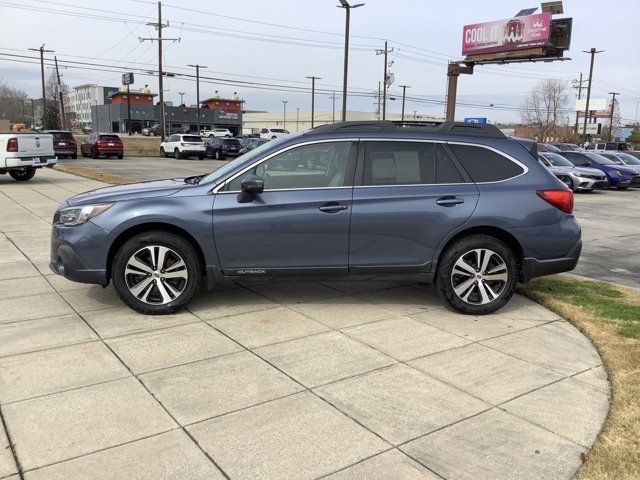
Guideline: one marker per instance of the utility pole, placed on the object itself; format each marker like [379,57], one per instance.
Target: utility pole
[344,4]
[379,100]
[284,115]
[404,91]
[44,95]
[62,115]
[313,97]
[297,119]
[197,67]
[333,116]
[181,97]
[384,52]
[579,87]
[592,52]
[159,26]
[613,107]
[414,115]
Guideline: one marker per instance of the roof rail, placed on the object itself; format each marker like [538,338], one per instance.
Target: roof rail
[434,127]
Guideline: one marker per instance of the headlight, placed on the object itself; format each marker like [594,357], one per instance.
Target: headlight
[578,174]
[79,215]
[619,173]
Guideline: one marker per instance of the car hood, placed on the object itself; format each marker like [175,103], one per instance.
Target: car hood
[129,191]
[622,168]
[588,170]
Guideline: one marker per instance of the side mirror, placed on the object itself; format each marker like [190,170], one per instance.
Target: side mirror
[252,184]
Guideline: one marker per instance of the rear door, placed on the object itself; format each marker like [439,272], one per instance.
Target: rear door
[408,196]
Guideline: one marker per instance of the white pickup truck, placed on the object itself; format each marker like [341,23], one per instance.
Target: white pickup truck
[22,153]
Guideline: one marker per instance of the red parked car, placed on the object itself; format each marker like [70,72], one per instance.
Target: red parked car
[107,144]
[63,143]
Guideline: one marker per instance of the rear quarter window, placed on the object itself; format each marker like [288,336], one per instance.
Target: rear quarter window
[484,165]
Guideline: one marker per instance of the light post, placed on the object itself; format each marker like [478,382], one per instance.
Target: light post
[613,107]
[182,94]
[313,97]
[347,8]
[297,119]
[284,114]
[404,91]
[197,67]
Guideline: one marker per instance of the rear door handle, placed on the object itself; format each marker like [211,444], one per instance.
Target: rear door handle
[449,201]
[332,207]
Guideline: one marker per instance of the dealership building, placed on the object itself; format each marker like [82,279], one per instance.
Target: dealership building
[113,116]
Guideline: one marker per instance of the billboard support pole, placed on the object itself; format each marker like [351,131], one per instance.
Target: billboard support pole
[453,72]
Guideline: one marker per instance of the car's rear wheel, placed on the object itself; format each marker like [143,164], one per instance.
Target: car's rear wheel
[162,152]
[200,157]
[477,274]
[74,156]
[23,175]
[176,154]
[156,272]
[121,156]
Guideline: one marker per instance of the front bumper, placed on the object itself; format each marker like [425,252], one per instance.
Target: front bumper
[532,267]
[77,253]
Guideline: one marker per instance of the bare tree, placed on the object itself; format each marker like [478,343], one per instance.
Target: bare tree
[545,106]
[11,103]
[51,87]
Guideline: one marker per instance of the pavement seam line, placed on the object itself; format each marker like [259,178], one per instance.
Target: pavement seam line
[12,446]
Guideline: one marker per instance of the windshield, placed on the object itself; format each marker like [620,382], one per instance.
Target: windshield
[599,159]
[629,159]
[557,160]
[219,174]
[613,158]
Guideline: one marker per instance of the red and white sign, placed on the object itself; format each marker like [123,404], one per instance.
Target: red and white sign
[509,35]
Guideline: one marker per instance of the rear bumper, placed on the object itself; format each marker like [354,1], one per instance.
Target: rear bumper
[532,267]
[32,161]
[66,151]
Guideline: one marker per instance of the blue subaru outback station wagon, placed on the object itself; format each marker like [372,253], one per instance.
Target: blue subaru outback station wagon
[458,204]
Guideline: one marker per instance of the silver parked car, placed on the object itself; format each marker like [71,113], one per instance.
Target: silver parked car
[576,178]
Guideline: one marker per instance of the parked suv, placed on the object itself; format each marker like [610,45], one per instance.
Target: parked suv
[183,146]
[273,133]
[64,144]
[106,144]
[221,148]
[457,204]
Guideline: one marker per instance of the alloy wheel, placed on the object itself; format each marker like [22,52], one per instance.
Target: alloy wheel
[156,275]
[479,276]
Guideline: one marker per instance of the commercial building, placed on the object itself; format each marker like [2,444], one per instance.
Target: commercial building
[145,112]
[83,99]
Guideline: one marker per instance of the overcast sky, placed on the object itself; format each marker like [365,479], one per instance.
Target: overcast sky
[423,34]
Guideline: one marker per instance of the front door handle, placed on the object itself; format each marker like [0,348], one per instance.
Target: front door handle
[332,207]
[449,201]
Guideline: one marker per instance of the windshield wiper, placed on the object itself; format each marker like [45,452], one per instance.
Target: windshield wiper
[194,180]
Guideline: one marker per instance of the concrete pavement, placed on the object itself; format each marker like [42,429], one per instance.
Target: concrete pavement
[287,380]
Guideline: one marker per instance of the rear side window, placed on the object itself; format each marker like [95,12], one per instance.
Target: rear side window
[484,165]
[408,163]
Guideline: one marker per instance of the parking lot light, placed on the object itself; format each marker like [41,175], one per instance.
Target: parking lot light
[345,4]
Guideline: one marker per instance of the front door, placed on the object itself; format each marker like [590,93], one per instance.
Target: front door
[299,224]
[409,196]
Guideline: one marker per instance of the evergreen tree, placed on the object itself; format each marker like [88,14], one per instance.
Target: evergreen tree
[51,120]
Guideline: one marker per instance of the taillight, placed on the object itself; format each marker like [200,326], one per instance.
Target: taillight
[12,145]
[561,199]
[182,144]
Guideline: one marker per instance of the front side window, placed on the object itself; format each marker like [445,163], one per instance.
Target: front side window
[484,165]
[318,165]
[408,163]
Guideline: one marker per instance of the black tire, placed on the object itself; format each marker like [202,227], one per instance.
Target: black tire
[200,157]
[121,156]
[572,186]
[152,134]
[177,155]
[74,156]
[274,137]
[217,155]
[462,247]
[22,175]
[607,179]
[95,153]
[175,242]
[163,154]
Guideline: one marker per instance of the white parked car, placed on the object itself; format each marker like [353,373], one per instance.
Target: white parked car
[22,153]
[273,133]
[216,132]
[183,146]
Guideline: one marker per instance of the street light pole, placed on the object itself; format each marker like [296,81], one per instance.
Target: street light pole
[613,107]
[197,67]
[182,94]
[592,52]
[345,4]
[284,114]
[404,91]
[313,97]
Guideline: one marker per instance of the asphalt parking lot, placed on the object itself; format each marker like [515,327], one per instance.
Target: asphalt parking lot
[284,380]
[610,219]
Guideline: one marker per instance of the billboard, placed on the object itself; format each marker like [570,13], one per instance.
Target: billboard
[510,35]
[594,104]
[475,120]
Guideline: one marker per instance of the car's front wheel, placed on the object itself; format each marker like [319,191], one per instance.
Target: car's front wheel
[478,274]
[156,272]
